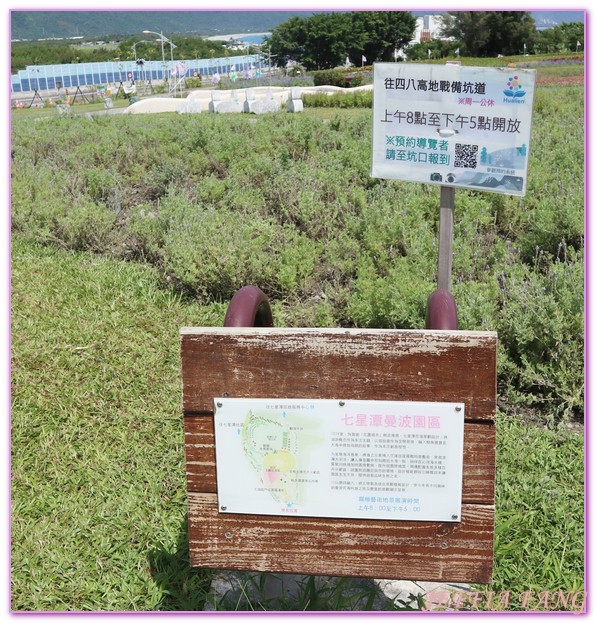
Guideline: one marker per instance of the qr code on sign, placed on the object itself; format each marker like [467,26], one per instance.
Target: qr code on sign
[466,156]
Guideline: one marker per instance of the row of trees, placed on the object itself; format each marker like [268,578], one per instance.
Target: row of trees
[563,38]
[186,48]
[490,33]
[59,52]
[25,53]
[325,40]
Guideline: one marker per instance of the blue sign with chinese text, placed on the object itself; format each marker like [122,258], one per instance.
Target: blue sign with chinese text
[451,125]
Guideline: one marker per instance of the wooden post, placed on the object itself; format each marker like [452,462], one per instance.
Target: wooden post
[446,237]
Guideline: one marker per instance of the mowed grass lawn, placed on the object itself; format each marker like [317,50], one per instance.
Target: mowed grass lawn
[98,488]
[98,476]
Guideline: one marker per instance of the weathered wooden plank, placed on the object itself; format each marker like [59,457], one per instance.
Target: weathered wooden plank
[478,473]
[458,552]
[442,366]
[355,364]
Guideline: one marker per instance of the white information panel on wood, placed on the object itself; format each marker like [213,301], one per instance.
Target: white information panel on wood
[467,127]
[346,459]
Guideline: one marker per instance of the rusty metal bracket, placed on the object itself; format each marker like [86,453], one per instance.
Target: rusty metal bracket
[441,311]
[249,308]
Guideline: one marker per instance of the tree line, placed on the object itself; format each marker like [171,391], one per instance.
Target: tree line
[490,33]
[145,46]
[327,40]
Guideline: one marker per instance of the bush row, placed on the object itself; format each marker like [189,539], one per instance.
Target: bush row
[357,99]
[286,202]
[342,77]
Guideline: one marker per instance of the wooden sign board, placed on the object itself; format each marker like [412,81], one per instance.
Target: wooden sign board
[342,364]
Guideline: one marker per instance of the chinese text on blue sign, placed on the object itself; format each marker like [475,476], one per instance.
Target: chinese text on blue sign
[457,126]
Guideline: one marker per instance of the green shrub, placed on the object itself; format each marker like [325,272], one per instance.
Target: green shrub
[395,301]
[287,202]
[87,226]
[553,212]
[354,80]
[329,77]
[359,99]
[214,252]
[540,327]
[193,82]
[147,234]
[477,305]
[344,77]
[100,183]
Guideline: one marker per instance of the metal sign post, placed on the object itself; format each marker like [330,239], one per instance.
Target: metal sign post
[446,217]
[456,127]
[446,220]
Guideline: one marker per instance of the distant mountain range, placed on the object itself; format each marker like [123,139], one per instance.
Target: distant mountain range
[48,24]
[62,24]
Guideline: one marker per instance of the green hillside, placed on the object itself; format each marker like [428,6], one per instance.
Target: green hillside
[46,24]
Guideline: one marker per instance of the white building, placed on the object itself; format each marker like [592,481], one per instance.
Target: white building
[427,27]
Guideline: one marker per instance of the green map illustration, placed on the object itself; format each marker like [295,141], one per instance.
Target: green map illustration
[277,444]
